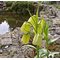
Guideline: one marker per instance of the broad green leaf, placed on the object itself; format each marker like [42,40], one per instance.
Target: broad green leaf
[25,27]
[33,20]
[53,40]
[37,40]
[25,38]
[41,25]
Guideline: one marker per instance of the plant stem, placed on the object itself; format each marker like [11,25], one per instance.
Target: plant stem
[37,52]
[47,47]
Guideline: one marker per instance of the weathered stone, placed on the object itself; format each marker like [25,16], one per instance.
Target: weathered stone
[3,56]
[58,41]
[27,51]
[58,30]
[7,35]
[16,56]
[12,48]
[5,41]
[50,10]
[56,21]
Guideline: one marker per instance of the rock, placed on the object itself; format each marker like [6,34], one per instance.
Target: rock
[17,56]
[50,10]
[6,46]
[1,51]
[58,30]
[7,35]
[16,37]
[16,33]
[58,41]
[28,51]
[5,41]
[56,21]
[2,56]
[12,48]
[51,16]
[53,10]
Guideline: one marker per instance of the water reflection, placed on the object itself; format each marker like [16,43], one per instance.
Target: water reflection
[4,27]
[8,22]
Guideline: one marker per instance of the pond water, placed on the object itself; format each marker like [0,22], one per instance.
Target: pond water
[9,22]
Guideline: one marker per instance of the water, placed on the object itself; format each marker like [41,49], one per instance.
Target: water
[9,22]
[9,25]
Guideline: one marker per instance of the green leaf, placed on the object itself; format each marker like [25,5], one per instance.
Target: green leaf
[46,29]
[25,38]
[36,17]
[46,32]
[25,27]
[41,25]
[43,53]
[37,40]
[33,21]
[53,40]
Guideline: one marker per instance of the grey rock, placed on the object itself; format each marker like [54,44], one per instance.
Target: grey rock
[56,21]
[58,30]
[3,56]
[58,41]
[1,51]
[27,51]
[5,41]
[7,35]
[12,48]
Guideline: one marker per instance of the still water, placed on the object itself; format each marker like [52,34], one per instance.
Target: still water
[9,22]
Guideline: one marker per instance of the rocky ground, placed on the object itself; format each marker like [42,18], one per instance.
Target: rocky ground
[12,47]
